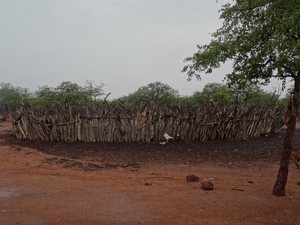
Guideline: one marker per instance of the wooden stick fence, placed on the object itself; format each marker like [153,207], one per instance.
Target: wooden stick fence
[105,124]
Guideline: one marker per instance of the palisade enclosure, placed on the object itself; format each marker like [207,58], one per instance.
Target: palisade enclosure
[146,124]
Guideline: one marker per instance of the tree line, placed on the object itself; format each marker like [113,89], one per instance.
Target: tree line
[89,95]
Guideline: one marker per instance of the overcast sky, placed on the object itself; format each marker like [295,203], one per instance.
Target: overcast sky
[125,44]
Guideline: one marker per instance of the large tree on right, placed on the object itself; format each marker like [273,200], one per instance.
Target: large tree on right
[262,40]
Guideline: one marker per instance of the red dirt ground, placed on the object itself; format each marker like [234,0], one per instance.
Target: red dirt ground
[134,183]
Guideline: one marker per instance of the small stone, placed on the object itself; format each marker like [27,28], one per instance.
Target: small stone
[192,178]
[207,184]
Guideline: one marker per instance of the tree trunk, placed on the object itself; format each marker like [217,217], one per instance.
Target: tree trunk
[290,121]
[279,186]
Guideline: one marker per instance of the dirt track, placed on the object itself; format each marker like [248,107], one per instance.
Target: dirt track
[63,183]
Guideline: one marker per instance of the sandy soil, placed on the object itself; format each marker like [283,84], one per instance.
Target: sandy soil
[76,183]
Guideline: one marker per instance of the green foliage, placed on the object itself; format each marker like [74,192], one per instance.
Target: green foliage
[71,94]
[11,97]
[45,96]
[253,94]
[287,97]
[230,96]
[158,93]
[261,38]
[217,93]
[68,94]
[212,94]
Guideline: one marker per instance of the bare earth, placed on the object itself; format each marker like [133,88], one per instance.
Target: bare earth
[136,183]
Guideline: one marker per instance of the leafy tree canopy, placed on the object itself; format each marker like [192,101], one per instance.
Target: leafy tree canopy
[158,93]
[217,93]
[213,93]
[231,96]
[11,97]
[261,38]
[68,94]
